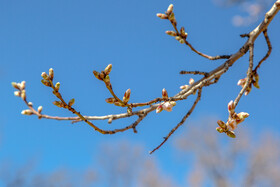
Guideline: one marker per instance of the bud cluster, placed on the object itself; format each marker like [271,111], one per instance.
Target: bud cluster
[168,105]
[20,87]
[47,78]
[232,122]
[104,75]
[169,14]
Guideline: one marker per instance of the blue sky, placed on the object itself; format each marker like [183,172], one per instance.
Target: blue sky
[76,37]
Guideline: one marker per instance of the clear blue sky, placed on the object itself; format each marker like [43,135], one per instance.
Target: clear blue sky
[76,37]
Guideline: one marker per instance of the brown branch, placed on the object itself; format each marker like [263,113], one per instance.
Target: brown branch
[181,122]
[195,73]
[268,52]
[249,75]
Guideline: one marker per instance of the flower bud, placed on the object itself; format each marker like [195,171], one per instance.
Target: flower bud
[167,106]
[184,87]
[191,81]
[222,124]
[171,33]
[45,76]
[108,69]
[126,96]
[40,108]
[110,100]
[220,130]
[173,103]
[241,82]
[164,94]
[242,115]
[162,16]
[15,85]
[23,95]
[159,109]
[169,9]
[231,107]
[26,112]
[232,124]
[22,85]
[97,75]
[231,134]
[46,82]
[30,104]
[51,73]
[71,102]
[17,93]
[57,86]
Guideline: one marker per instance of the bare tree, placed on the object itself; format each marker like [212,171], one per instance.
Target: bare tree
[165,102]
[245,162]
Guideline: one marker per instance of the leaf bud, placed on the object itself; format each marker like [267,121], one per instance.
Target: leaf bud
[97,75]
[171,33]
[40,108]
[256,84]
[15,85]
[110,100]
[162,16]
[58,103]
[108,69]
[71,102]
[27,112]
[159,109]
[126,96]
[172,17]
[57,86]
[46,82]
[106,79]
[220,130]
[231,134]
[222,124]
[182,41]
[118,103]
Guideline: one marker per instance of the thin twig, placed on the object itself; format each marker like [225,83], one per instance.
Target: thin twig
[181,122]
[249,75]
[268,52]
[195,73]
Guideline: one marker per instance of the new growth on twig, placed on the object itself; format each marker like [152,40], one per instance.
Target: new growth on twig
[165,102]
